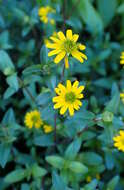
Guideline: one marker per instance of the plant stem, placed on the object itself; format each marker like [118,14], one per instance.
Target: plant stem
[63,70]
[73,8]
[27,90]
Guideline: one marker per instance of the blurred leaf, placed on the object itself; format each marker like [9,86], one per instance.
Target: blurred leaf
[107,10]
[16,176]
[13,81]
[113,183]
[44,140]
[73,149]
[5,61]
[120,9]
[91,158]
[78,167]
[90,16]
[55,161]
[38,171]
[58,182]
[4,154]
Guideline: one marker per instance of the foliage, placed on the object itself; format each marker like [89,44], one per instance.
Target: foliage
[78,146]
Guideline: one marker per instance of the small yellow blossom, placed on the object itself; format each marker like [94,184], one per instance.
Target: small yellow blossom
[44,12]
[33,119]
[68,97]
[64,46]
[122,96]
[48,128]
[88,179]
[98,176]
[119,141]
[122,58]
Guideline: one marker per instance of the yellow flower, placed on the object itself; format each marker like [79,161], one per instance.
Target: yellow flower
[44,12]
[68,97]
[119,141]
[122,58]
[122,96]
[88,179]
[47,128]
[65,46]
[98,176]
[33,119]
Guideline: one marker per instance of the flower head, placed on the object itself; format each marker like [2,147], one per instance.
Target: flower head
[122,58]
[119,141]
[44,12]
[48,128]
[122,96]
[68,97]
[33,119]
[64,46]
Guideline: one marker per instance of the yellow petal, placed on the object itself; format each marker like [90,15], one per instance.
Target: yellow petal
[66,62]
[54,52]
[55,39]
[81,46]
[69,34]
[75,84]
[59,57]
[61,36]
[80,89]
[68,85]
[52,46]
[71,110]
[76,55]
[75,37]
[122,62]
[63,109]
[58,105]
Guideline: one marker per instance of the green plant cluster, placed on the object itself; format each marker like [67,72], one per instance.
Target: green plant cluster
[83,144]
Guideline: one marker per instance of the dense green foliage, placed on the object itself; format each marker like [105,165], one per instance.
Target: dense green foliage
[30,159]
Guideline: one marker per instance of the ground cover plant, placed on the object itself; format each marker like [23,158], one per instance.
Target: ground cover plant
[61,95]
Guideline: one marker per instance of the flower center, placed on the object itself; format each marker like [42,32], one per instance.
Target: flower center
[69,46]
[70,97]
[34,119]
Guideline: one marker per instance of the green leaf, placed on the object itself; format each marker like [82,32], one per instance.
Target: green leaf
[44,140]
[91,158]
[9,92]
[13,81]
[55,161]
[112,106]
[58,182]
[4,154]
[16,176]
[44,55]
[38,171]
[5,61]
[90,16]
[73,149]
[90,186]
[78,167]
[107,10]
[113,183]
[120,9]
[9,117]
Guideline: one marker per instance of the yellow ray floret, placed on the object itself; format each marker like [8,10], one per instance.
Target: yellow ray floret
[33,119]
[119,141]
[48,128]
[122,58]
[64,46]
[44,12]
[122,96]
[68,97]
